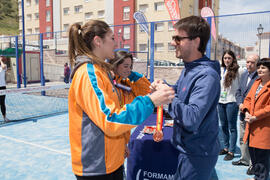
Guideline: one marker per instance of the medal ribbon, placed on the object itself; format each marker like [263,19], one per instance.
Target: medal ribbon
[159,118]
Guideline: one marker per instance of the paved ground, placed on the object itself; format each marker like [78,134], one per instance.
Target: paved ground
[39,149]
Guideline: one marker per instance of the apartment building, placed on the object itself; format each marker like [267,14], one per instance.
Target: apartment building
[44,16]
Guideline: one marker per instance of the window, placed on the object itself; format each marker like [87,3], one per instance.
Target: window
[29,17]
[48,3]
[142,47]
[66,11]
[143,7]
[36,30]
[48,16]
[48,29]
[206,3]
[28,2]
[190,9]
[171,47]
[159,6]
[126,13]
[159,26]
[78,9]
[126,46]
[66,26]
[86,1]
[159,47]
[36,2]
[29,31]
[101,14]
[170,26]
[88,15]
[36,16]
[126,32]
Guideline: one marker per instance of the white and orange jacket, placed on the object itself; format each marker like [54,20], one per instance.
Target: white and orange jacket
[98,124]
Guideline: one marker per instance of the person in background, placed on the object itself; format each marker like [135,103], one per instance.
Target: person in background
[246,81]
[227,106]
[194,108]
[136,83]
[98,121]
[66,73]
[256,107]
[3,69]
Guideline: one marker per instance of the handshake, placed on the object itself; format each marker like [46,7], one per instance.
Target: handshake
[161,93]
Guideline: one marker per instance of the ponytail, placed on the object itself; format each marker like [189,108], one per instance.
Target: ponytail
[80,41]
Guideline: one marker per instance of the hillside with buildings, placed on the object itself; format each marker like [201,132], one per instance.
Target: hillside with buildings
[9,24]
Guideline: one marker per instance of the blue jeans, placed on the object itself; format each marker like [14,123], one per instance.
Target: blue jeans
[228,120]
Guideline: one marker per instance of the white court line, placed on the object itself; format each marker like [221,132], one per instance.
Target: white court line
[35,145]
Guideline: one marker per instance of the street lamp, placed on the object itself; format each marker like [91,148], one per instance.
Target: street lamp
[260,31]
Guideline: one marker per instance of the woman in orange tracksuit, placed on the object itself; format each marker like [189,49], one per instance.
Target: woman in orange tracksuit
[135,84]
[256,107]
[97,120]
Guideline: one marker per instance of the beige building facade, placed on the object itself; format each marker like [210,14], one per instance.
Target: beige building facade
[156,11]
[67,12]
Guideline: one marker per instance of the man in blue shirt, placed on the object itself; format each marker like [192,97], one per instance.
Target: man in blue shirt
[194,108]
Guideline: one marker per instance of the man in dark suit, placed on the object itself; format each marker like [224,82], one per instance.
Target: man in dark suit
[246,81]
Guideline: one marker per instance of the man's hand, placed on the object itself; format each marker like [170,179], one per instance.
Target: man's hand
[163,94]
[241,106]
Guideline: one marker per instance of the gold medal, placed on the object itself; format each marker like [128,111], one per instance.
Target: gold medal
[158,135]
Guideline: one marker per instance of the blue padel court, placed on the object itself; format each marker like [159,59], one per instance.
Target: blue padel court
[38,148]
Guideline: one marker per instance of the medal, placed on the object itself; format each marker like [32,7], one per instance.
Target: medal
[158,134]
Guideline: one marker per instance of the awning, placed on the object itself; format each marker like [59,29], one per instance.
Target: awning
[10,52]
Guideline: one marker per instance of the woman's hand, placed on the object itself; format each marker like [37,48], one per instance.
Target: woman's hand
[126,152]
[153,86]
[249,118]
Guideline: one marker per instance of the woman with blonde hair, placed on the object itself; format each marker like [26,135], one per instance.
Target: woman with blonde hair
[98,121]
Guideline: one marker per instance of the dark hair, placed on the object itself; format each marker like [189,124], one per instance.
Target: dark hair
[232,70]
[264,62]
[195,26]
[119,58]
[80,41]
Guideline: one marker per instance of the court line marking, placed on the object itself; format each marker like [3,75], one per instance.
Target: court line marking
[35,145]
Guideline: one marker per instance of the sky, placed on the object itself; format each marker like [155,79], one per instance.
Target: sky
[243,6]
[243,29]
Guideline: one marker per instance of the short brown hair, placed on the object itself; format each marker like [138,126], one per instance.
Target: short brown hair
[195,26]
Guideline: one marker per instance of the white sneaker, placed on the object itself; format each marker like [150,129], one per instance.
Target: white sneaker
[6,119]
